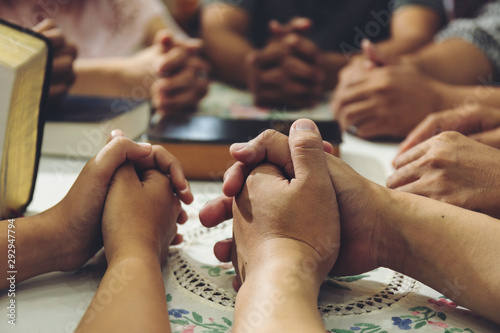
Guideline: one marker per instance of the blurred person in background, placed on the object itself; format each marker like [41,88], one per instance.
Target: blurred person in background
[389,96]
[288,53]
[117,48]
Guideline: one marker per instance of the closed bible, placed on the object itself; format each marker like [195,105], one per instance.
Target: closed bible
[25,66]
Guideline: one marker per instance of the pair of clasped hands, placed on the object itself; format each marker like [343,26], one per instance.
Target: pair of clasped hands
[289,68]
[299,213]
[171,69]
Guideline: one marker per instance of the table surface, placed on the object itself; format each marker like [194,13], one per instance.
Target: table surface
[377,301]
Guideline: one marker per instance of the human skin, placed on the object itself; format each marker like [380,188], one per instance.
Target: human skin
[284,252]
[65,236]
[65,54]
[170,70]
[388,100]
[286,73]
[225,29]
[375,102]
[439,245]
[412,27]
[451,168]
[139,224]
[478,122]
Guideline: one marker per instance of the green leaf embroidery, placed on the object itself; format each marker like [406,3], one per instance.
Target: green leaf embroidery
[213,271]
[366,325]
[334,284]
[169,298]
[420,308]
[197,317]
[341,331]
[441,316]
[179,321]
[227,321]
[350,278]
[420,325]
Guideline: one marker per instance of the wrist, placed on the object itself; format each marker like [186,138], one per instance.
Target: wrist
[130,250]
[389,244]
[287,262]
[282,292]
[38,246]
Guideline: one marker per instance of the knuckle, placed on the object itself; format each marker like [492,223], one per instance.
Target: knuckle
[268,136]
[120,142]
[448,136]
[308,142]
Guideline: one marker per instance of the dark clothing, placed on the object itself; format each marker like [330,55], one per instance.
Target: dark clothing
[339,25]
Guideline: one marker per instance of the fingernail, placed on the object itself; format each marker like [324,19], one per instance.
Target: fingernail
[304,125]
[239,146]
[145,145]
[116,133]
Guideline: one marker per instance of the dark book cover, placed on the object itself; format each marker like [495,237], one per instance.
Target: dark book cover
[213,130]
[91,109]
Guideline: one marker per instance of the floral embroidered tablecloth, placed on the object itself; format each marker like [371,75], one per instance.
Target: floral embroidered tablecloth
[201,299]
[199,288]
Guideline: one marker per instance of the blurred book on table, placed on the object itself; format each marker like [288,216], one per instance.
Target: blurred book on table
[82,124]
[25,67]
[201,141]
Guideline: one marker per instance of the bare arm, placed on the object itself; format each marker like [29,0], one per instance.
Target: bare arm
[441,62]
[224,30]
[411,28]
[115,77]
[139,224]
[452,250]
[126,279]
[290,302]
[35,247]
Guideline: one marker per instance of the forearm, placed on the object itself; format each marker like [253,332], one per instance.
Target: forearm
[441,62]
[228,53]
[224,29]
[104,77]
[129,278]
[33,248]
[278,298]
[448,248]
[452,96]
[412,27]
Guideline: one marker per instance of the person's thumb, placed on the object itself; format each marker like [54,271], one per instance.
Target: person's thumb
[308,155]
[374,55]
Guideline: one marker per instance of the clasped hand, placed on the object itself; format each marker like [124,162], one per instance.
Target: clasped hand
[287,72]
[130,188]
[301,198]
